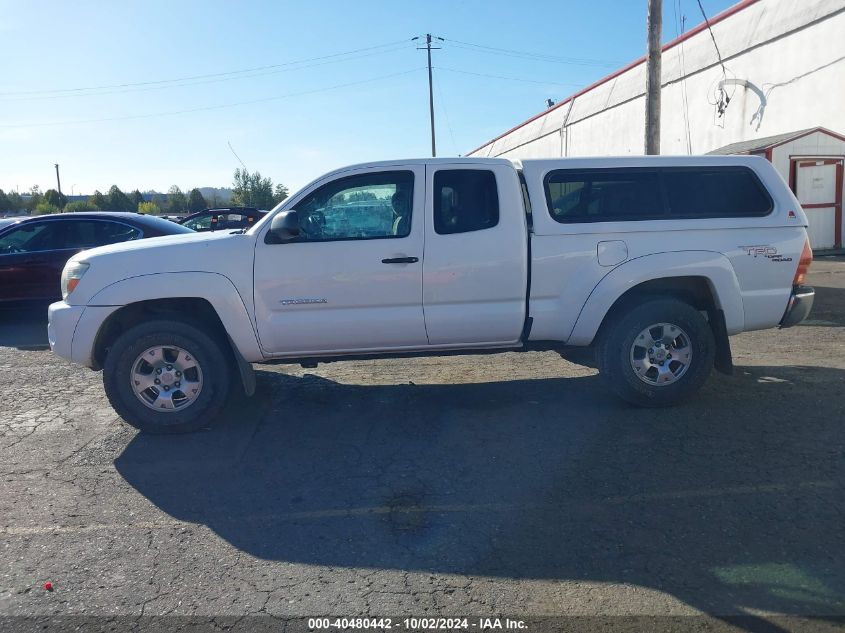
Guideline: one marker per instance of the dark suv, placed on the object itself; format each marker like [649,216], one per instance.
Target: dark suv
[222,219]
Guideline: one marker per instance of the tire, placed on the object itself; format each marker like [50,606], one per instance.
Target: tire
[170,345]
[638,364]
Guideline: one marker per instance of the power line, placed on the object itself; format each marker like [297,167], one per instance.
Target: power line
[680,20]
[581,61]
[212,107]
[445,113]
[204,76]
[236,155]
[712,37]
[520,79]
[538,58]
[261,71]
[721,98]
[202,82]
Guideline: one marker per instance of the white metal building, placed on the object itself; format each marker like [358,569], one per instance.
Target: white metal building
[781,77]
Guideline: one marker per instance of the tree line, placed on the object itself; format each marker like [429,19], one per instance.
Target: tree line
[248,190]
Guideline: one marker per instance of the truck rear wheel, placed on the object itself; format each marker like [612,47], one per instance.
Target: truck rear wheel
[658,353]
[166,376]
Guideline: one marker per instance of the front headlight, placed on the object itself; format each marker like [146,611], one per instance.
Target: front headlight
[71,275]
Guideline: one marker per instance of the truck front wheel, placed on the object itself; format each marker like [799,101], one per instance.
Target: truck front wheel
[657,353]
[166,376]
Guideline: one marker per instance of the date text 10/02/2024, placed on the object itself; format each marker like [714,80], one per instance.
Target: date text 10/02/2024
[414,623]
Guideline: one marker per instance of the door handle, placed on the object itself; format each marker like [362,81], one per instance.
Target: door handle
[400,260]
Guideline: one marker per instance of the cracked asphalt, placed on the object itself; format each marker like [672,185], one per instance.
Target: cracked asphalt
[508,484]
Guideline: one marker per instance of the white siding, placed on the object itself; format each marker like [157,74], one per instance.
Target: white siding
[792,53]
[822,228]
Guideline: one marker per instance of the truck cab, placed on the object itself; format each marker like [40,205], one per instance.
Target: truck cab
[391,257]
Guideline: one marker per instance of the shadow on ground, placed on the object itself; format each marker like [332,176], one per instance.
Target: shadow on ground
[24,326]
[730,503]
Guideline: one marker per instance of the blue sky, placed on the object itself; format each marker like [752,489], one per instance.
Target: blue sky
[300,119]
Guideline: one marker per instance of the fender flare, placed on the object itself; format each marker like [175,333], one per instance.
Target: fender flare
[713,266]
[215,288]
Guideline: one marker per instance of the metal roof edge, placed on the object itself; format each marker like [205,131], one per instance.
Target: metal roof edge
[739,6]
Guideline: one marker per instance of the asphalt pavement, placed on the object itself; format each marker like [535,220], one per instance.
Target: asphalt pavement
[512,484]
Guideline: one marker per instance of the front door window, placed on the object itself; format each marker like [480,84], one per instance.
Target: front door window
[367,206]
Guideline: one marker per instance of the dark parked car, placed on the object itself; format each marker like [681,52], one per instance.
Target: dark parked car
[220,219]
[34,250]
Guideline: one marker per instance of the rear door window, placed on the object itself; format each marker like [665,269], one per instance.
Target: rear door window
[465,200]
[91,233]
[113,232]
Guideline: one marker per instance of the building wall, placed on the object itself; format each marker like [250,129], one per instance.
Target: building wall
[791,54]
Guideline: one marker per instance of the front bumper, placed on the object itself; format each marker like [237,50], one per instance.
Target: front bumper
[61,324]
[799,306]
[72,331]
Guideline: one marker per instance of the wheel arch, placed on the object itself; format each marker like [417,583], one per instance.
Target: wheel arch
[196,311]
[703,279]
[211,298]
[193,310]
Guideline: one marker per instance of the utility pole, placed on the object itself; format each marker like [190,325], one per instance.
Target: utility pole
[428,48]
[58,182]
[653,77]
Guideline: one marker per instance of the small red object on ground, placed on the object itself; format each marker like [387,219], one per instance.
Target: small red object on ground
[48,586]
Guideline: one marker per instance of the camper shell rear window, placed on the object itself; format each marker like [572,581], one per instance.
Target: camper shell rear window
[655,193]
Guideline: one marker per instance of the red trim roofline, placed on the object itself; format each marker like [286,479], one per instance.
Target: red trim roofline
[739,6]
[823,130]
[771,146]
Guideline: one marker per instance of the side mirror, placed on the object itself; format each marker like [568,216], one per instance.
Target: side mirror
[284,227]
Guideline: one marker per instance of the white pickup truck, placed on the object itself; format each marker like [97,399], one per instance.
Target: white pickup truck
[652,261]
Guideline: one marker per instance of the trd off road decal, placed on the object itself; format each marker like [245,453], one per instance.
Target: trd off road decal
[769,252]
